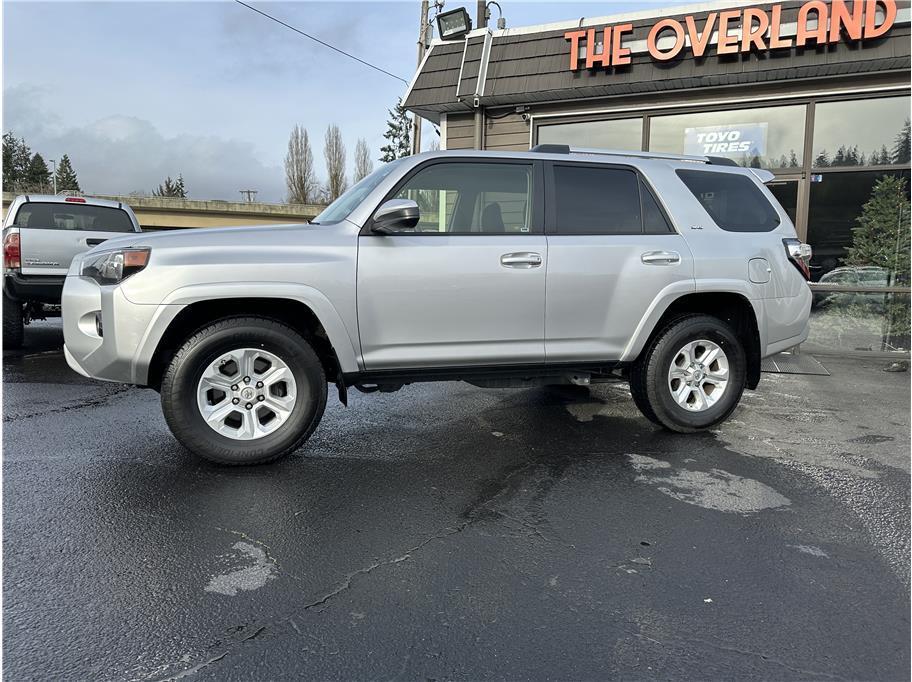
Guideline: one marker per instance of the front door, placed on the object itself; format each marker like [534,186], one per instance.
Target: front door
[611,254]
[467,285]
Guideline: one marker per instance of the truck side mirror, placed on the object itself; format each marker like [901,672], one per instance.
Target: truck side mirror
[395,215]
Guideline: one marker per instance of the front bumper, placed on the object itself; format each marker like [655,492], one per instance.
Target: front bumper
[129,332]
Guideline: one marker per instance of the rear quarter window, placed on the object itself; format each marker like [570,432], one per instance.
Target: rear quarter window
[72,216]
[733,201]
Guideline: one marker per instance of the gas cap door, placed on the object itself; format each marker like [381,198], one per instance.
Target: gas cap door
[759,270]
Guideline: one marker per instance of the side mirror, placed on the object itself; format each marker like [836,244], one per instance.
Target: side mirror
[395,215]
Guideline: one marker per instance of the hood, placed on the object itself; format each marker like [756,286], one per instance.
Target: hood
[220,236]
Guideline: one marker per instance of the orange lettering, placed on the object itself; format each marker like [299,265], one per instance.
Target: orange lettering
[592,57]
[752,36]
[727,44]
[819,34]
[652,39]
[620,55]
[775,41]
[574,38]
[699,41]
[840,18]
[871,29]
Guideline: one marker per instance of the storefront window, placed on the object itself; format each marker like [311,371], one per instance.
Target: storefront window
[770,137]
[841,204]
[865,132]
[626,134]
[859,229]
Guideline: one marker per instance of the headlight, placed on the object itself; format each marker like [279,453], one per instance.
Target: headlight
[111,267]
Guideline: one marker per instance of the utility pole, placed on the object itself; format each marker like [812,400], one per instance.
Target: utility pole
[422,47]
[481,14]
[54,162]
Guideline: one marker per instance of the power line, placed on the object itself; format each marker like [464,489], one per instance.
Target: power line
[325,44]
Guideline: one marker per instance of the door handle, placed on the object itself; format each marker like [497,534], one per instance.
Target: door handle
[94,242]
[524,259]
[661,258]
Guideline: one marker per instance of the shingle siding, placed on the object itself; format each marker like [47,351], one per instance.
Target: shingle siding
[535,67]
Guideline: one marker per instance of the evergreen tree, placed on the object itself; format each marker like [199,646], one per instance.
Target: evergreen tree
[793,159]
[171,188]
[840,158]
[16,159]
[66,176]
[179,189]
[822,160]
[881,238]
[398,133]
[38,175]
[901,146]
[881,159]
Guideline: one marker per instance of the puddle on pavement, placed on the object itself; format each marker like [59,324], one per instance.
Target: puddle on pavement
[245,578]
[714,489]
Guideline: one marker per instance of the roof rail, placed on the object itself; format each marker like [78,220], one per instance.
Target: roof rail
[567,149]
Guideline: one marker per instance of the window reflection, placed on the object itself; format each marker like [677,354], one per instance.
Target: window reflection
[770,137]
[860,219]
[868,132]
[626,134]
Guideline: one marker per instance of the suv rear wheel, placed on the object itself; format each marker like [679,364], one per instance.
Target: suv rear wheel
[691,375]
[244,390]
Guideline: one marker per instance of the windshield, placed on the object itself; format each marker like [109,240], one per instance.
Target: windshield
[345,204]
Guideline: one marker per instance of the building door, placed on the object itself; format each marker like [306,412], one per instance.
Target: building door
[787,190]
[467,285]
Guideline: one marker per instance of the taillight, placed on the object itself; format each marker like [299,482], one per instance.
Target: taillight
[799,254]
[11,252]
[75,200]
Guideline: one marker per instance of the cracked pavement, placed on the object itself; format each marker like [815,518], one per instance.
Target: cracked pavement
[449,532]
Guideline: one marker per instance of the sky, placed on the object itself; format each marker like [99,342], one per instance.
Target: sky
[137,91]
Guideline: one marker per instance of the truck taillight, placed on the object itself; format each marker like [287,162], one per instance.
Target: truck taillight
[12,255]
[799,254]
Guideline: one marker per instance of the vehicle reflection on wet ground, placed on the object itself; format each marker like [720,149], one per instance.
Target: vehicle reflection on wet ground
[446,531]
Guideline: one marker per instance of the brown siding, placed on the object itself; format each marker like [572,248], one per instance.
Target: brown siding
[510,133]
[534,68]
[460,130]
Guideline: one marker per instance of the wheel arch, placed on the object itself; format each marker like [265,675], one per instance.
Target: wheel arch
[325,332]
[733,308]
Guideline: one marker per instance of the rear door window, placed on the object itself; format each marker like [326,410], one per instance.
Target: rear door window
[733,201]
[72,216]
[591,199]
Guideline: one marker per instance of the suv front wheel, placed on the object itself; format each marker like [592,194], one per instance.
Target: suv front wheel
[691,375]
[244,390]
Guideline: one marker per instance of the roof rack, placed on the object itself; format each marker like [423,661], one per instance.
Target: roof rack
[567,149]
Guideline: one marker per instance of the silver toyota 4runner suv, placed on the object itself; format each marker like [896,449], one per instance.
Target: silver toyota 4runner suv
[677,274]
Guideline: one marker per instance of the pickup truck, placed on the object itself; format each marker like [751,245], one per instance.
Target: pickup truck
[41,235]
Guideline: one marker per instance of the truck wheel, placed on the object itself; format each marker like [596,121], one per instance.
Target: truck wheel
[244,390]
[13,325]
[691,375]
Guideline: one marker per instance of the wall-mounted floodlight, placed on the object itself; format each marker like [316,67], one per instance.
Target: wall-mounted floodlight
[454,24]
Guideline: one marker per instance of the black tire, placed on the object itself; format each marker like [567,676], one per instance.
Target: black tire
[181,378]
[649,374]
[13,324]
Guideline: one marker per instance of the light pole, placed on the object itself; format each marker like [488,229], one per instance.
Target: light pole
[54,162]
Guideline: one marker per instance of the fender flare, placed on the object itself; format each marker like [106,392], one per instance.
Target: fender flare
[676,290]
[177,300]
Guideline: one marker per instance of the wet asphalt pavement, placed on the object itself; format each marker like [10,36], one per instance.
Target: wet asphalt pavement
[448,532]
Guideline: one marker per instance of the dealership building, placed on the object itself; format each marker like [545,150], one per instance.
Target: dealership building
[817,92]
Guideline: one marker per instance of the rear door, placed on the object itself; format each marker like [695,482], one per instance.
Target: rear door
[611,252]
[52,233]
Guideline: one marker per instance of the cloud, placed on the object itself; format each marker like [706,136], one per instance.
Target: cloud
[122,154]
